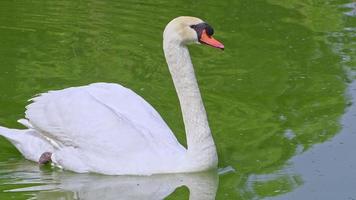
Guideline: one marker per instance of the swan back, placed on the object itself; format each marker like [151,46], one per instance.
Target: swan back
[104,128]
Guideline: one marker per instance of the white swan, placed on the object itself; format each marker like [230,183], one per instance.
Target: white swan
[107,128]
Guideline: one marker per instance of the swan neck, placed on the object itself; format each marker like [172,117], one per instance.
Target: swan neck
[200,143]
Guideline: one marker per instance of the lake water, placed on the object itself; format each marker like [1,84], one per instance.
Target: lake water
[280,98]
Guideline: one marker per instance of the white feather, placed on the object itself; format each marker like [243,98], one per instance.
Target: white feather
[107,128]
[107,124]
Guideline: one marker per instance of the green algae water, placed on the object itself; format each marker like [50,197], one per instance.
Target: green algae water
[280,98]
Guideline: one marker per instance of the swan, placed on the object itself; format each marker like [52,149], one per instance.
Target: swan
[108,129]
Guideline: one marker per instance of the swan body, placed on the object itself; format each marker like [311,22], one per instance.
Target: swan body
[109,129]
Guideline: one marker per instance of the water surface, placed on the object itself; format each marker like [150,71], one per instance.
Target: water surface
[278,98]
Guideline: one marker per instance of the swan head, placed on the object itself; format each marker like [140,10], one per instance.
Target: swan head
[189,30]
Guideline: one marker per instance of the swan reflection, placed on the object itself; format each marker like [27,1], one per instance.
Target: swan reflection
[66,185]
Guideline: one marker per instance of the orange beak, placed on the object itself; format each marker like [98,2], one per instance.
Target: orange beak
[209,40]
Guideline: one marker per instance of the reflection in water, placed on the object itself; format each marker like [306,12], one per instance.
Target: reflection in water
[276,91]
[60,184]
[265,185]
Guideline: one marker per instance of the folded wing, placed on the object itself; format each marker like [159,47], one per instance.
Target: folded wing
[103,120]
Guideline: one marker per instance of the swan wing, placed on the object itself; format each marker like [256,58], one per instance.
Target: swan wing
[103,120]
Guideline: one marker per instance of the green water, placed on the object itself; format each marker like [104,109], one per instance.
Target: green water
[279,98]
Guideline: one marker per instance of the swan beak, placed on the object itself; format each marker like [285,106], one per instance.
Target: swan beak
[209,40]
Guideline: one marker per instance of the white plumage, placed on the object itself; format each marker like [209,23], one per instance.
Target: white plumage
[107,128]
[87,124]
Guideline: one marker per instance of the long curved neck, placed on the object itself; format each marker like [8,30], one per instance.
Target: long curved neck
[200,143]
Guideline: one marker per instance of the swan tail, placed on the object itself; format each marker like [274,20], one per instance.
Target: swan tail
[27,141]
[13,135]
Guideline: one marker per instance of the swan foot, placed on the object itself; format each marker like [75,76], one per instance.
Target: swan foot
[45,158]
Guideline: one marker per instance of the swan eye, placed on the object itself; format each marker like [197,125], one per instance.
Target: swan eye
[203,26]
[209,30]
